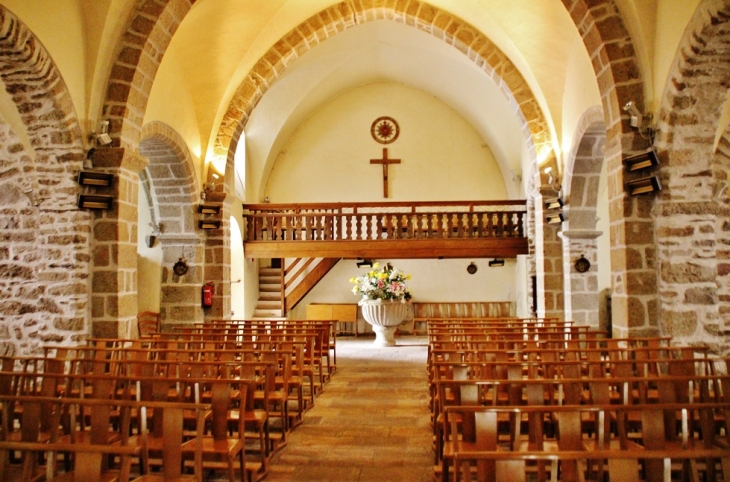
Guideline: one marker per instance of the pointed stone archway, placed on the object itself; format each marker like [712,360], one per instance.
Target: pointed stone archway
[45,258]
[173,192]
[692,212]
[583,172]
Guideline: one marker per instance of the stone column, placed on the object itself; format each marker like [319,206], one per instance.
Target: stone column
[581,289]
[180,300]
[634,304]
[114,246]
[552,271]
[218,260]
[549,261]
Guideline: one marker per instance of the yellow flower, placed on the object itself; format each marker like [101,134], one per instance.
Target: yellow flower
[376,266]
[408,276]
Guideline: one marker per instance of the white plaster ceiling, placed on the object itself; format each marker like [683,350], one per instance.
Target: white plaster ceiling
[220,40]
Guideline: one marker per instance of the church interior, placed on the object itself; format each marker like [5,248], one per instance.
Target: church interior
[560,161]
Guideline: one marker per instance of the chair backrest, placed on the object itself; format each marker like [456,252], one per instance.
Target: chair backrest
[148,322]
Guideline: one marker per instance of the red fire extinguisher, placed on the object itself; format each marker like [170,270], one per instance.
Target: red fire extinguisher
[207,295]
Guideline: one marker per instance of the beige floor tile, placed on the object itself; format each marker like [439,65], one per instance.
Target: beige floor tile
[371,422]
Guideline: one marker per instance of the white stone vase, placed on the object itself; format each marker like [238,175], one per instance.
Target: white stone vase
[384,317]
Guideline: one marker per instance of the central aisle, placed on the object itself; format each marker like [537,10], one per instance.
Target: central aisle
[371,422]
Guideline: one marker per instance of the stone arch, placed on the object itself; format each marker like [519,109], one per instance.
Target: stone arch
[44,240]
[691,216]
[171,173]
[140,52]
[349,14]
[173,192]
[583,169]
[582,176]
[721,164]
[609,45]
[599,23]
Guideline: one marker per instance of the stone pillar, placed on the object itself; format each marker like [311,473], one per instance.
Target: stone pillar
[581,289]
[634,304]
[218,260]
[114,247]
[549,261]
[180,300]
[532,256]
[552,271]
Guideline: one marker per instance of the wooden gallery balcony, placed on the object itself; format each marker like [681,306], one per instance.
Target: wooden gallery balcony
[454,229]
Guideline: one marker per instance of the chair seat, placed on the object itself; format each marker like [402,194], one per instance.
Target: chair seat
[71,477]
[212,446]
[161,478]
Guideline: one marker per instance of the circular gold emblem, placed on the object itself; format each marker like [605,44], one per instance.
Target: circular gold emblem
[385,130]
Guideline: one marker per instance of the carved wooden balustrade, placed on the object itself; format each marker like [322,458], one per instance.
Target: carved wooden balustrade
[369,225]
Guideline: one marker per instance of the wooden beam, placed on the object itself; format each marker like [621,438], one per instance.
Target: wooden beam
[392,249]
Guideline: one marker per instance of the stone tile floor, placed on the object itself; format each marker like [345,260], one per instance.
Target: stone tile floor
[371,422]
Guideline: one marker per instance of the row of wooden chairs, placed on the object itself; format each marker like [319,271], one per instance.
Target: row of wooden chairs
[539,396]
[250,330]
[123,371]
[487,443]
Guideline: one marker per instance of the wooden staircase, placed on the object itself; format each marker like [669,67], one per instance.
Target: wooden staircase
[270,294]
[279,294]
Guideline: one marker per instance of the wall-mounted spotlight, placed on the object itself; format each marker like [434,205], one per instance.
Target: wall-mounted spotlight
[97,179]
[365,262]
[553,179]
[641,161]
[496,262]
[151,238]
[209,224]
[555,203]
[102,138]
[556,218]
[88,201]
[32,197]
[209,208]
[643,186]
[637,118]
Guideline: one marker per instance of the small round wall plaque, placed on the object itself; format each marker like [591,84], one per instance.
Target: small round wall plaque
[385,130]
[582,265]
[471,269]
[180,268]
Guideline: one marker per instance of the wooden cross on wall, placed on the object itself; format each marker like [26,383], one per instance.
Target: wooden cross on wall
[385,162]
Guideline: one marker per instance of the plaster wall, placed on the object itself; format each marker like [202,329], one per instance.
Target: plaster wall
[171,103]
[433,280]
[581,94]
[149,261]
[238,300]
[328,157]
[672,18]
[603,243]
[59,25]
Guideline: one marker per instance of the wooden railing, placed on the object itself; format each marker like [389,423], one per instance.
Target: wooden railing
[384,221]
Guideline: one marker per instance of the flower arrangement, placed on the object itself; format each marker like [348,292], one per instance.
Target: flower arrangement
[386,283]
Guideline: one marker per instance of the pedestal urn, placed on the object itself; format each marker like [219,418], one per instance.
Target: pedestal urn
[384,316]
